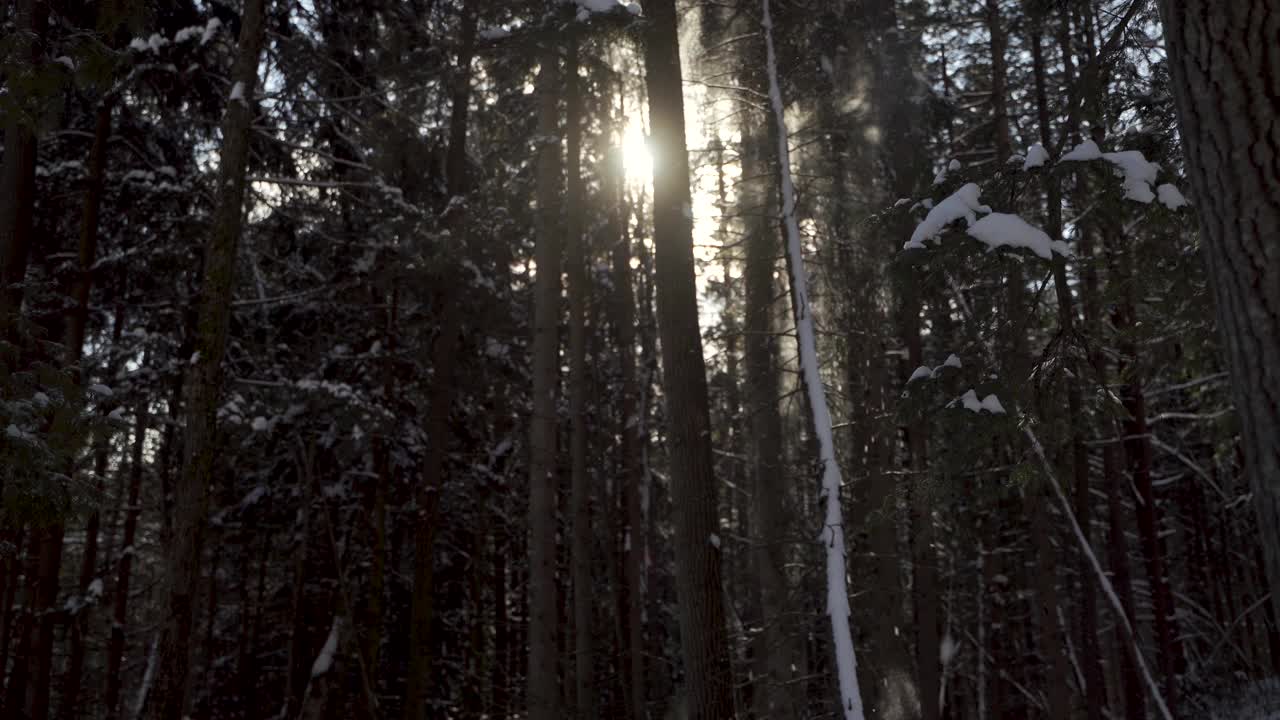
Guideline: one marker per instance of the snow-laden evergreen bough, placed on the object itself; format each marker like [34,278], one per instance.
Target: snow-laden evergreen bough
[833,533]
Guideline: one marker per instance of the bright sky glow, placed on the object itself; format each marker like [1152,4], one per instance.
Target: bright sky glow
[637,161]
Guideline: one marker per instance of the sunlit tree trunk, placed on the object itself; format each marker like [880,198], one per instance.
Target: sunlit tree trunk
[703,635]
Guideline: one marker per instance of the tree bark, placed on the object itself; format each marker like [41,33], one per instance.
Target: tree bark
[1223,64]
[543,698]
[703,635]
[204,381]
[580,502]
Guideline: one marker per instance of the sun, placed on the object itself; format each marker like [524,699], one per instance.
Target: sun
[637,160]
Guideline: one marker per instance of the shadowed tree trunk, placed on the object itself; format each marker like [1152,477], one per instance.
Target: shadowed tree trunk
[580,502]
[543,696]
[1095,690]
[1223,64]
[204,379]
[18,171]
[444,361]
[75,342]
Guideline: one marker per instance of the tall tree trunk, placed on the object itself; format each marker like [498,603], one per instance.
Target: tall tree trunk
[75,341]
[1222,60]
[1095,689]
[630,426]
[204,380]
[763,391]
[703,635]
[1137,451]
[580,510]
[18,170]
[444,361]
[120,601]
[543,697]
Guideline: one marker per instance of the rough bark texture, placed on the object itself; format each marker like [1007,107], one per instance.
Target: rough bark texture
[1225,64]
[702,615]
[204,380]
[543,696]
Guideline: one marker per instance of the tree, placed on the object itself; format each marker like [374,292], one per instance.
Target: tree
[703,634]
[543,695]
[1222,65]
[204,381]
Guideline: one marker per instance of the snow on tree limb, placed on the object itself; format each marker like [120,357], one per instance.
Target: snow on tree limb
[833,533]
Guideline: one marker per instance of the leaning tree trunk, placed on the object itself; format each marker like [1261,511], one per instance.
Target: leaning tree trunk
[833,523]
[1223,62]
[703,635]
[204,381]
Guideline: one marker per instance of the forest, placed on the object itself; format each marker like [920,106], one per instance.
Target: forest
[658,360]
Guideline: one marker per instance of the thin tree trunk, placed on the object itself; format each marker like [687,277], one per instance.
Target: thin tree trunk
[763,390]
[444,361]
[120,603]
[204,381]
[75,342]
[630,428]
[1095,688]
[833,524]
[703,634]
[1223,64]
[580,503]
